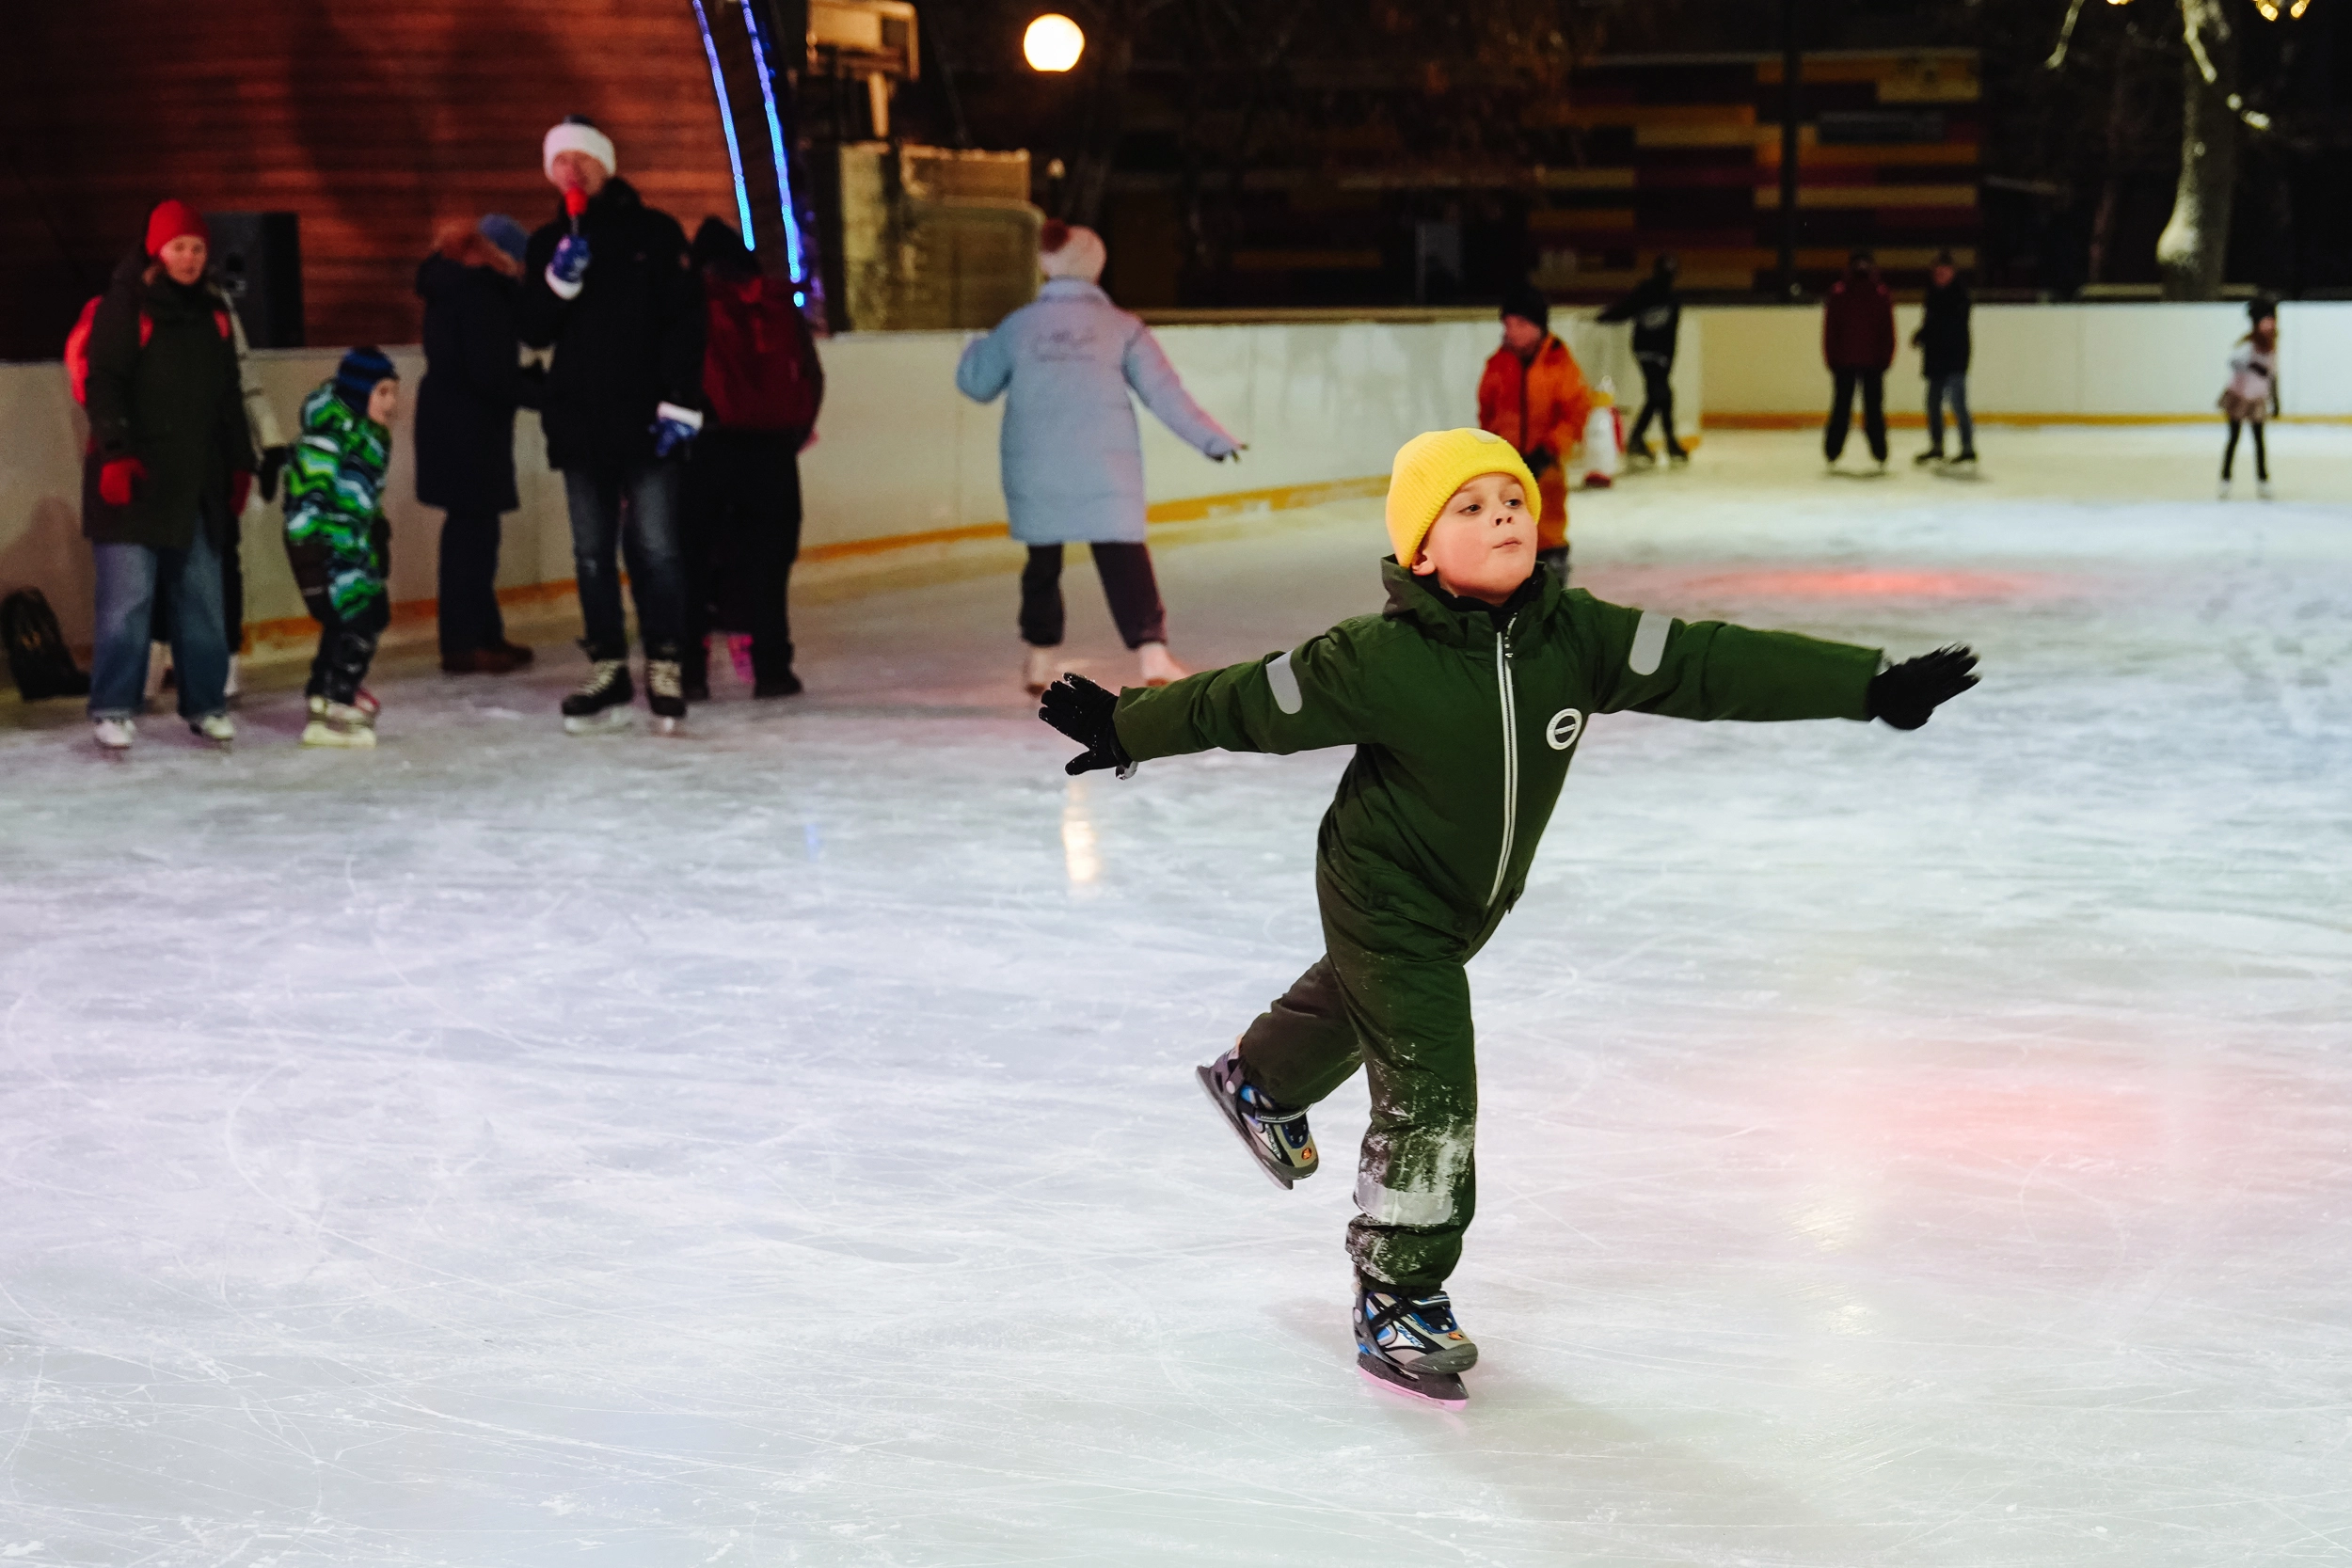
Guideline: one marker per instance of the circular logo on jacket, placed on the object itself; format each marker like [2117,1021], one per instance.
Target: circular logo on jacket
[1565,727]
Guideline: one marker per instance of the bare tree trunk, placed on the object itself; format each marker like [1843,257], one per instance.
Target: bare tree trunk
[2194,247]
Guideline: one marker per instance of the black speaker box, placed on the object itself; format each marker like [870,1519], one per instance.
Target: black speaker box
[258,259]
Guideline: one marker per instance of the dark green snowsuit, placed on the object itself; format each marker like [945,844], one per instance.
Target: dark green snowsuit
[1464,721]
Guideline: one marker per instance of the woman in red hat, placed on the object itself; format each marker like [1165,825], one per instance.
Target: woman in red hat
[170,465]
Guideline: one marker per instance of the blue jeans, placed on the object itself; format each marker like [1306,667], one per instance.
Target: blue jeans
[1955,389]
[129,579]
[637,505]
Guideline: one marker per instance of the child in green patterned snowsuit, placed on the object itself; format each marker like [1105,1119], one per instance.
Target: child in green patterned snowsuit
[337,537]
[1465,700]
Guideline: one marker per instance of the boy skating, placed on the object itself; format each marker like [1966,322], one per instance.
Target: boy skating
[1465,700]
[337,539]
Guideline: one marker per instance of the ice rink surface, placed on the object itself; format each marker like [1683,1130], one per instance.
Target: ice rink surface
[778,1145]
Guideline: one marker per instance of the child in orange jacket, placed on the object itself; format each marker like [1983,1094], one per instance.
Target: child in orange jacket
[1533,395]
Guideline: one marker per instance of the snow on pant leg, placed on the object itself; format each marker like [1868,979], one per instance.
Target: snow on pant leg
[1304,1046]
[658,562]
[467,580]
[1133,591]
[200,640]
[1874,411]
[1956,389]
[593,501]
[1040,597]
[2229,452]
[1841,414]
[124,614]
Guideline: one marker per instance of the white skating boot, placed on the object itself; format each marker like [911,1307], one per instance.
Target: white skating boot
[339,724]
[665,694]
[115,735]
[601,704]
[218,728]
[1037,669]
[1158,668]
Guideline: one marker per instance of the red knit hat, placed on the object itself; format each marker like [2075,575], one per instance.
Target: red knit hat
[171,219]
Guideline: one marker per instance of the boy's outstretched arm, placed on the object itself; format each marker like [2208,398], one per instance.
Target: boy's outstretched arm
[1310,697]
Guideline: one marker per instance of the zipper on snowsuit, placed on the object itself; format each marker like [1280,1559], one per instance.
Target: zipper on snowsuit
[1509,700]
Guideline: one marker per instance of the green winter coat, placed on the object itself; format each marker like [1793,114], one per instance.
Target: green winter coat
[335,527]
[1463,736]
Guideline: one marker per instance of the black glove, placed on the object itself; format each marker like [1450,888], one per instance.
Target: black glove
[1538,461]
[1905,694]
[273,464]
[1082,710]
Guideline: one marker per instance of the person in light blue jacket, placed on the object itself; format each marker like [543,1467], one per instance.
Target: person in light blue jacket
[1072,457]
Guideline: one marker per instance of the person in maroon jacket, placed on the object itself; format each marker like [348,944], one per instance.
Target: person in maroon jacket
[1858,343]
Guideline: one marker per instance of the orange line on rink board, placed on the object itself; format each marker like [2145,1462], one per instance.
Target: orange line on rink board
[1905,421]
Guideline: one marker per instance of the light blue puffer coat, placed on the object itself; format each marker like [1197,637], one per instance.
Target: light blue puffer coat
[1072,458]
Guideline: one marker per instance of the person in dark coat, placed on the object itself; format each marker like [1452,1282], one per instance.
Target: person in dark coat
[1858,343]
[762,387]
[1942,345]
[170,465]
[609,285]
[475,380]
[1656,312]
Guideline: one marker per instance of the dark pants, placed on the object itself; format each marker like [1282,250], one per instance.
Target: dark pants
[639,502]
[470,616]
[1657,398]
[132,580]
[1953,388]
[1128,583]
[1406,1023]
[346,645]
[2262,458]
[1873,385]
[742,535]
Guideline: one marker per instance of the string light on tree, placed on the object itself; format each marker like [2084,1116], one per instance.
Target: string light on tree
[1054,42]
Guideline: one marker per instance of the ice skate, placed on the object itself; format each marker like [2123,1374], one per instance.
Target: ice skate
[343,724]
[115,735]
[1158,668]
[1037,669]
[1640,456]
[1933,454]
[1408,1340]
[218,728]
[665,694]
[785,685]
[1276,1138]
[1677,457]
[601,704]
[2224,492]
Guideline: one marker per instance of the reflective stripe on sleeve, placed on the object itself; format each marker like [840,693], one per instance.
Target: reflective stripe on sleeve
[1284,680]
[1649,642]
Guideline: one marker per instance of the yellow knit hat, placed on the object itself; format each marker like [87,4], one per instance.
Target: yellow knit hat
[1430,467]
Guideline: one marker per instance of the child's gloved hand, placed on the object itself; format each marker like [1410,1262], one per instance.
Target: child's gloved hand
[1082,710]
[1906,694]
[570,262]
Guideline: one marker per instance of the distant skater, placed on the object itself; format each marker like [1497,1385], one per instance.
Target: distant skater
[1072,457]
[1942,345]
[2253,395]
[1656,312]
[338,540]
[1533,394]
[1858,343]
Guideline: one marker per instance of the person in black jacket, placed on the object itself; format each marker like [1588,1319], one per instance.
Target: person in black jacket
[1656,312]
[609,285]
[1942,345]
[170,465]
[475,380]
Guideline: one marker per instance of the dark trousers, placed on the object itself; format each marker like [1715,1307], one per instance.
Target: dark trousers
[469,614]
[1954,390]
[132,578]
[159,628]
[638,503]
[742,535]
[2262,458]
[1407,1022]
[1873,385]
[1657,398]
[1128,583]
[346,645]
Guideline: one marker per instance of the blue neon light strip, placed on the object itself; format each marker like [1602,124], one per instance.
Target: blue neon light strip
[727,123]
[775,141]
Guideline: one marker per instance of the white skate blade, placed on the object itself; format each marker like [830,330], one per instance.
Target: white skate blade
[612,720]
[669,726]
[1442,1389]
[1225,1115]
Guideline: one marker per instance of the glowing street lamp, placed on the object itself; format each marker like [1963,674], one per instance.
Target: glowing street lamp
[1053,42]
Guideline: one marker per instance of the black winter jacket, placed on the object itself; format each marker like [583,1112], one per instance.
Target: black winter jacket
[1943,336]
[176,403]
[473,382]
[631,339]
[1656,312]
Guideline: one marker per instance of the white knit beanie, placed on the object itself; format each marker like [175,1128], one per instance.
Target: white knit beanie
[1081,255]
[577,135]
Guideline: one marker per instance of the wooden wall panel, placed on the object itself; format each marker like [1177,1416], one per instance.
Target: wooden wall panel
[374,119]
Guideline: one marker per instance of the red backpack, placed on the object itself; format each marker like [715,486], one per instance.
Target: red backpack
[759,370]
[77,342]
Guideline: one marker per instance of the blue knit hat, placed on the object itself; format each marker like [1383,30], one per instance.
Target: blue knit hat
[505,233]
[357,376]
